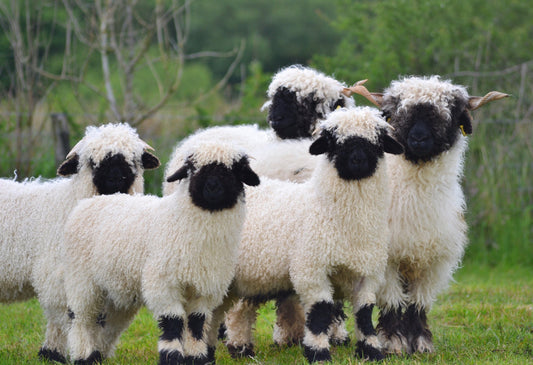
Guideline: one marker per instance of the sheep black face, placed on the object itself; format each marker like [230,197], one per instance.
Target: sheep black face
[291,118]
[355,158]
[214,186]
[425,132]
[113,175]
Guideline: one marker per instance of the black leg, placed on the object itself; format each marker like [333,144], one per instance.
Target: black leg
[170,347]
[368,345]
[416,330]
[319,320]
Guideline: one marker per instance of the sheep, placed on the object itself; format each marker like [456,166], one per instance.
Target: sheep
[176,254]
[323,238]
[298,97]
[431,118]
[110,158]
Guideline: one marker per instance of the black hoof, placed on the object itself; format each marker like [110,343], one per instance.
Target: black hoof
[51,355]
[171,358]
[316,355]
[237,352]
[95,358]
[368,352]
[192,360]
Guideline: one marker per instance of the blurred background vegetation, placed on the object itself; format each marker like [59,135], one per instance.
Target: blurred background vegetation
[169,67]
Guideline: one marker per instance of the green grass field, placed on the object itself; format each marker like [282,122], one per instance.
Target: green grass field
[485,317]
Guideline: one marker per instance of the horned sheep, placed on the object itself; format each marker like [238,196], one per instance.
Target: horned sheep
[431,118]
[175,254]
[110,158]
[325,237]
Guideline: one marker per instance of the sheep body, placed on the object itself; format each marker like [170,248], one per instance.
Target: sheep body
[296,236]
[36,210]
[170,253]
[428,230]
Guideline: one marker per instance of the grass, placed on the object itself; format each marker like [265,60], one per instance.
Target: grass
[484,318]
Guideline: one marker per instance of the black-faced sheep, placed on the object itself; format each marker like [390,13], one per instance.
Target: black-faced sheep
[175,254]
[108,159]
[324,238]
[299,97]
[431,117]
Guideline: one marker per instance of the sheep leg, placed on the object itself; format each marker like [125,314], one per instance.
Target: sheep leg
[217,319]
[319,318]
[419,336]
[116,321]
[170,341]
[392,299]
[85,329]
[363,301]
[240,320]
[338,335]
[54,347]
[290,321]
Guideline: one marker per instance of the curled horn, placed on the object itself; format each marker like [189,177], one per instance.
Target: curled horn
[475,102]
[358,88]
[74,150]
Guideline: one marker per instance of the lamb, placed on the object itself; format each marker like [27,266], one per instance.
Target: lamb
[324,238]
[110,158]
[428,230]
[299,97]
[175,254]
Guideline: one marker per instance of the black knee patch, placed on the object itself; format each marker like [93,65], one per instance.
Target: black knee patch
[94,358]
[172,328]
[316,355]
[414,325]
[195,323]
[222,332]
[365,351]
[320,317]
[51,355]
[170,357]
[363,318]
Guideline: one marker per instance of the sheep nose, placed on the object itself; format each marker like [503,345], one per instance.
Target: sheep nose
[419,139]
[213,191]
[359,160]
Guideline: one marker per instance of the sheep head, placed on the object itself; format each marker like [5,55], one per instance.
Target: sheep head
[113,155]
[428,114]
[354,140]
[299,97]
[216,174]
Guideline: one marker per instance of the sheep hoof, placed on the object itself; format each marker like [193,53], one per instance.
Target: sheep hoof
[316,355]
[339,341]
[422,344]
[94,358]
[392,344]
[193,360]
[237,352]
[365,351]
[170,358]
[51,355]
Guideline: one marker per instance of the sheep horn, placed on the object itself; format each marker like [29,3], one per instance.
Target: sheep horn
[358,88]
[74,150]
[475,102]
[147,147]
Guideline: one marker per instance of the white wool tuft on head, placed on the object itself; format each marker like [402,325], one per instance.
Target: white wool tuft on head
[428,89]
[214,152]
[360,121]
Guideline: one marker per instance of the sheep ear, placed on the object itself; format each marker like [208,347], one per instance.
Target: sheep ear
[319,146]
[69,166]
[390,145]
[245,173]
[149,161]
[182,173]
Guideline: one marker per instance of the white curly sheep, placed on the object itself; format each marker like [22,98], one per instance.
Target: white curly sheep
[108,159]
[176,254]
